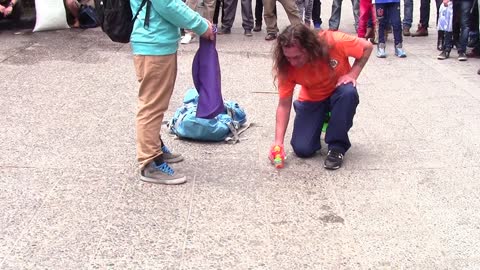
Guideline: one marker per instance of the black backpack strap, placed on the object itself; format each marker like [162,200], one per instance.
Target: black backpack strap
[147,16]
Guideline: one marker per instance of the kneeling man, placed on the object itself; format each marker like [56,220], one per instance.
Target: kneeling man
[319,63]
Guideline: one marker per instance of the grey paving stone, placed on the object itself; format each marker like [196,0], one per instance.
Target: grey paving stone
[406,197]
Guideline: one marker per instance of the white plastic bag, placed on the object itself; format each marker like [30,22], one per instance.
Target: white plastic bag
[51,15]
[445,15]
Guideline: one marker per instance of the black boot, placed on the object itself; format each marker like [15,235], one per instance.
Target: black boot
[440,40]
[258,26]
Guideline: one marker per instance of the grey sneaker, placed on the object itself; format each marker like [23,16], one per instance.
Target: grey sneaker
[161,174]
[443,55]
[462,56]
[170,157]
[334,160]
[381,50]
[399,51]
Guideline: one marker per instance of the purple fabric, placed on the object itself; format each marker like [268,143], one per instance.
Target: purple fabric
[207,80]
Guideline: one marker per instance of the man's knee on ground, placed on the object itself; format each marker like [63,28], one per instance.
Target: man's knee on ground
[302,150]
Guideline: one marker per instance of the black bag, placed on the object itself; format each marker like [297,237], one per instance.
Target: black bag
[116,20]
[87,17]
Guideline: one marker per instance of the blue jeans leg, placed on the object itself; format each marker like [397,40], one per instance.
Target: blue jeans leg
[334,21]
[382,19]
[395,21]
[424,12]
[408,13]
[464,11]
[307,126]
[343,105]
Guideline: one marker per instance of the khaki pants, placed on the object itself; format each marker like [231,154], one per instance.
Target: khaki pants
[209,8]
[270,17]
[156,75]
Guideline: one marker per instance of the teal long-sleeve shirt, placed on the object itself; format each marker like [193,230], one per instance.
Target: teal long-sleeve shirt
[163,33]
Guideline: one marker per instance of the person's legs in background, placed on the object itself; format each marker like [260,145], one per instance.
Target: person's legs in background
[258,15]
[270,18]
[292,11]
[407,17]
[365,16]
[209,9]
[189,35]
[334,21]
[473,37]
[307,18]
[301,7]
[381,14]
[395,20]
[424,18]
[216,13]
[228,16]
[247,17]
[316,12]
[464,8]
[356,13]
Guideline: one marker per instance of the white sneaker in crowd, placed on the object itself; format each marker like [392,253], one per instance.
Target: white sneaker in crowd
[187,38]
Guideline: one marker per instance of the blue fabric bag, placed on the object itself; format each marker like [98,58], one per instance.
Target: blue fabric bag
[223,127]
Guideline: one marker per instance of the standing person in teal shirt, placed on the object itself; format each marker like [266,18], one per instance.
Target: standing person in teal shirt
[154,45]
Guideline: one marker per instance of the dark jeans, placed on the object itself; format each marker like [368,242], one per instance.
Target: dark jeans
[462,10]
[425,11]
[310,116]
[389,13]
[447,41]
[316,11]
[216,14]
[259,11]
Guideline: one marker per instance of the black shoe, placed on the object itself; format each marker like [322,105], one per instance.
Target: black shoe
[248,33]
[443,55]
[224,31]
[271,36]
[334,160]
[257,28]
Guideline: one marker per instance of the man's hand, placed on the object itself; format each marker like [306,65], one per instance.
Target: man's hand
[209,33]
[2,9]
[345,79]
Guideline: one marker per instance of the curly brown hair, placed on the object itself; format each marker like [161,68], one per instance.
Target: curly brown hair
[299,34]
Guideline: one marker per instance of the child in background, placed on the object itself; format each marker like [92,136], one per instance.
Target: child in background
[389,11]
[305,8]
[445,26]
[367,16]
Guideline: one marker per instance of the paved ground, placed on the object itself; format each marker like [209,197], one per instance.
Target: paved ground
[406,198]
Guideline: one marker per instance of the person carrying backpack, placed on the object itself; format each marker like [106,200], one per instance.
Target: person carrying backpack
[154,42]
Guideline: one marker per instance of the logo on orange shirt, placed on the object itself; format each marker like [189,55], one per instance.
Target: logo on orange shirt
[333,63]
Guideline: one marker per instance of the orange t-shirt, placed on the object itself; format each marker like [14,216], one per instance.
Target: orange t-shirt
[318,79]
